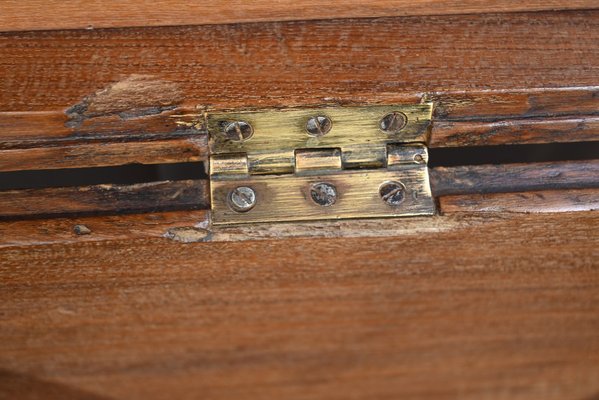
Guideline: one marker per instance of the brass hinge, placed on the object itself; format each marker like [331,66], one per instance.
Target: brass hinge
[319,163]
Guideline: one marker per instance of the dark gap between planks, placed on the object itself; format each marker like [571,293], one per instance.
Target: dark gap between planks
[122,175]
[439,157]
[511,154]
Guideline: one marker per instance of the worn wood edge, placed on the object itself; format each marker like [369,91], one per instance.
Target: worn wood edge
[541,201]
[471,179]
[461,119]
[105,154]
[140,197]
[194,226]
[99,228]
[48,15]
[522,131]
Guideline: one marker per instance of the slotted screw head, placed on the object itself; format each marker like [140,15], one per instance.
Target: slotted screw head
[318,125]
[323,194]
[238,131]
[393,122]
[242,199]
[393,193]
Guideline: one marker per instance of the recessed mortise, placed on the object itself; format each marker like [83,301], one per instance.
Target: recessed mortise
[393,122]
[324,194]
[318,125]
[238,131]
[393,193]
[242,199]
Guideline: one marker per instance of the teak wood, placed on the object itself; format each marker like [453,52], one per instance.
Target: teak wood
[510,312]
[53,14]
[128,291]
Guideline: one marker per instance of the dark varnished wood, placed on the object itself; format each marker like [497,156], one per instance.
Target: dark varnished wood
[512,311]
[154,196]
[514,177]
[104,154]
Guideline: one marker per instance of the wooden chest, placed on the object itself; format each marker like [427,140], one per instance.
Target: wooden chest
[309,199]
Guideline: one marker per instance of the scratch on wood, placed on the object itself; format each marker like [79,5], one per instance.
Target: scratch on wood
[133,97]
[187,234]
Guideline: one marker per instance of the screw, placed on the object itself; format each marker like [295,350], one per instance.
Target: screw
[418,158]
[323,194]
[393,122]
[238,131]
[319,125]
[242,199]
[393,193]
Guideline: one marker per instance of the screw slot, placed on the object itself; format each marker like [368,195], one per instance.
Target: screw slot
[323,194]
[318,125]
[242,199]
[238,131]
[393,122]
[393,193]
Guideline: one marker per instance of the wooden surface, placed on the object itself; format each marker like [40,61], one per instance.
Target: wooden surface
[36,14]
[233,66]
[494,79]
[537,201]
[149,197]
[517,177]
[512,312]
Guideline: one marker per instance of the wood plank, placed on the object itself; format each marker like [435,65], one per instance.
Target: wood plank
[515,131]
[141,197]
[487,84]
[506,308]
[45,15]
[366,61]
[543,201]
[514,177]
[102,228]
[104,154]
[475,118]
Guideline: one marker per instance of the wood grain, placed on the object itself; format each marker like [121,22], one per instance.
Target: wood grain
[488,85]
[515,131]
[272,64]
[103,228]
[44,15]
[104,154]
[541,201]
[148,197]
[512,312]
[514,177]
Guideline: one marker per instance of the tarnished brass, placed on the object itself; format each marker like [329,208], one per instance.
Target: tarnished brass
[356,131]
[372,173]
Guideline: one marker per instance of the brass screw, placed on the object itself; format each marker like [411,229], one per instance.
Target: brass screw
[238,131]
[318,125]
[242,199]
[393,122]
[393,193]
[323,194]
